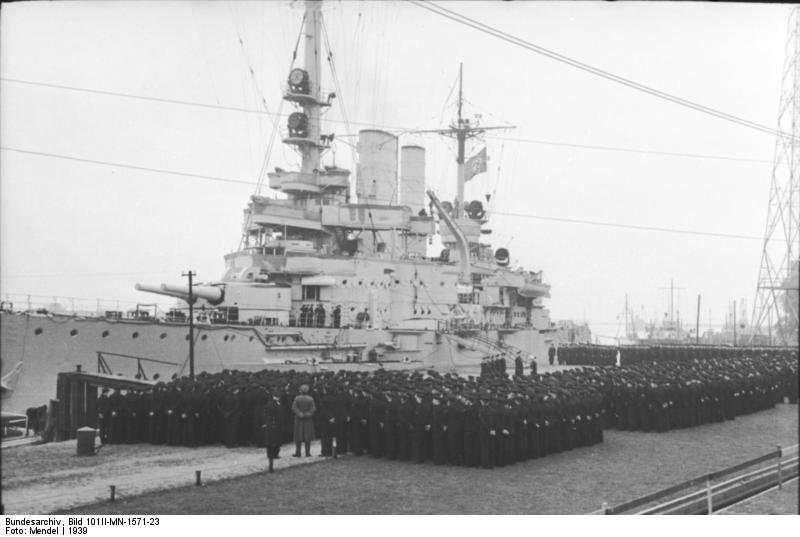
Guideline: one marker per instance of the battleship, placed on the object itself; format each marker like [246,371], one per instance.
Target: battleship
[332,272]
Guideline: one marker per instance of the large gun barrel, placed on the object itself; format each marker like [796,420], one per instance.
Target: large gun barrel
[214,295]
[158,290]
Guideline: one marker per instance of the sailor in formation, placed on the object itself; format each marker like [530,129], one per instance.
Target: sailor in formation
[487,422]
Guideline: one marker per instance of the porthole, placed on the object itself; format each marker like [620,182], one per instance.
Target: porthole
[251,338]
[135,335]
[344,282]
[233,337]
[163,335]
[204,337]
[38,331]
[225,337]
[73,332]
[105,333]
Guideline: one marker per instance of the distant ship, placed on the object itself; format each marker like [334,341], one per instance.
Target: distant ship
[324,277]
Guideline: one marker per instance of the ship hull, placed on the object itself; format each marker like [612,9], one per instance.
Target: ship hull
[40,346]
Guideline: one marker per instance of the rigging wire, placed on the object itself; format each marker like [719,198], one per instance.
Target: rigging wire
[205,55]
[521,215]
[447,99]
[340,94]
[497,176]
[383,126]
[270,144]
[509,38]
[258,95]
[246,58]
[262,172]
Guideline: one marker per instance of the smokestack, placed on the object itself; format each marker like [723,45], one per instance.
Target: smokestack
[376,180]
[412,177]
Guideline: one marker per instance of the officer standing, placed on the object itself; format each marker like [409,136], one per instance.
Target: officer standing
[303,408]
[103,415]
[519,367]
[272,429]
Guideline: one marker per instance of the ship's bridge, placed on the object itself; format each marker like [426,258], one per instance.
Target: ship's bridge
[315,183]
[282,213]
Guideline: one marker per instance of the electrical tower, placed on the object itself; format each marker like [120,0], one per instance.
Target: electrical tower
[776,303]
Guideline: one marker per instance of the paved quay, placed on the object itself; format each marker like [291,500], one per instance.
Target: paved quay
[43,478]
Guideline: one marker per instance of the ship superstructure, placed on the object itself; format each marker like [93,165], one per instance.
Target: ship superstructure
[335,270]
[319,258]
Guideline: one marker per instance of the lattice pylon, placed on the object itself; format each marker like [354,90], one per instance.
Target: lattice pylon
[775,308]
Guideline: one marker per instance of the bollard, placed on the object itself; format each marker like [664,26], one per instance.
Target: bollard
[604,507]
[86,437]
[335,448]
[197,480]
[113,491]
[709,501]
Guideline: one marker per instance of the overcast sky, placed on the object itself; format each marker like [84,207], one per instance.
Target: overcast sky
[85,230]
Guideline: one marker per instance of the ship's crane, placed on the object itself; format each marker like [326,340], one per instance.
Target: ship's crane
[462,245]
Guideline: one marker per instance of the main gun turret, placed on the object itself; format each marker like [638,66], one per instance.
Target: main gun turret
[213,294]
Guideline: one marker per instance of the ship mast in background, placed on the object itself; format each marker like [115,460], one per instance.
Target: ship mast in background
[462,129]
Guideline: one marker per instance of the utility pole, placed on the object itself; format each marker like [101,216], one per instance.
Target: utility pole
[671,297]
[626,315]
[697,323]
[190,300]
[734,322]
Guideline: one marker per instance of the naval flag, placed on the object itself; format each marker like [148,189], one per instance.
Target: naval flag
[475,164]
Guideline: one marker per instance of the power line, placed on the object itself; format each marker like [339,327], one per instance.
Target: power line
[521,215]
[509,38]
[630,226]
[137,97]
[379,126]
[631,150]
[129,166]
